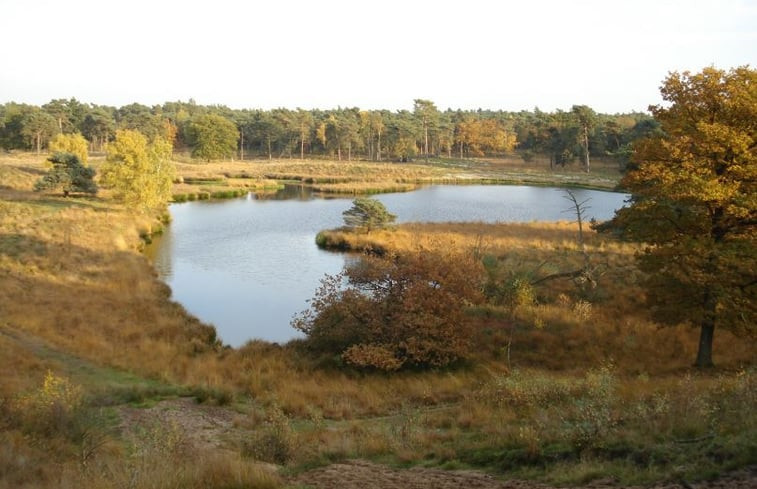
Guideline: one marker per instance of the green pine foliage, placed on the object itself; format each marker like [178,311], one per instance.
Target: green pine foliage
[67,174]
[367,214]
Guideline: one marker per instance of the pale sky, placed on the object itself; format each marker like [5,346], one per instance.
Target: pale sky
[469,54]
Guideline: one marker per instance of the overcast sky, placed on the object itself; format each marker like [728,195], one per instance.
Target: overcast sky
[498,54]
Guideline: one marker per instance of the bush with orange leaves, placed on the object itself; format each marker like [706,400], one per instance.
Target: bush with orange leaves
[396,312]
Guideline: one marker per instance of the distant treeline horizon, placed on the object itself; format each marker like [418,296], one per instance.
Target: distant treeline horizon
[212,132]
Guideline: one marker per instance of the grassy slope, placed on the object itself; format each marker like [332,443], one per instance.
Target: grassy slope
[78,299]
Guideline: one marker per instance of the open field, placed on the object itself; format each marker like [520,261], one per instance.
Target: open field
[107,383]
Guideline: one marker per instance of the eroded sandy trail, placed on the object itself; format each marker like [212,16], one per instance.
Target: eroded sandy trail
[213,428]
[359,474]
[199,427]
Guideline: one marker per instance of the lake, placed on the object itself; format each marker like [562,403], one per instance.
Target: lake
[248,265]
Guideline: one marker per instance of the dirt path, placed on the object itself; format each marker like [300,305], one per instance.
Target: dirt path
[359,474]
[198,426]
[214,428]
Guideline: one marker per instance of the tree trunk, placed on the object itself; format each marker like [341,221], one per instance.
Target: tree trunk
[704,355]
[586,147]
[302,147]
[270,155]
[425,141]
[241,145]
[378,147]
[39,142]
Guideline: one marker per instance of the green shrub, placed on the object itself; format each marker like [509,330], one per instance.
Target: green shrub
[591,416]
[274,442]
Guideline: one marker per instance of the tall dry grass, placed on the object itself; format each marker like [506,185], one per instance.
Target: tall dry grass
[571,325]
[361,177]
[76,296]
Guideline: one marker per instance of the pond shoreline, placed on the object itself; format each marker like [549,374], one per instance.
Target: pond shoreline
[248,264]
[369,178]
[340,189]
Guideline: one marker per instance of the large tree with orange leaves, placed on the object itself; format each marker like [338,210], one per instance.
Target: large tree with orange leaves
[695,204]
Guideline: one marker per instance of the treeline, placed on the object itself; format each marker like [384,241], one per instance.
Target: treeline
[218,132]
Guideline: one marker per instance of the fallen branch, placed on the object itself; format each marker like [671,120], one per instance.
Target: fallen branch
[694,440]
[553,276]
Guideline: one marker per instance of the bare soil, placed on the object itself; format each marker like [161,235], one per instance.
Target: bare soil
[359,474]
[199,427]
[206,427]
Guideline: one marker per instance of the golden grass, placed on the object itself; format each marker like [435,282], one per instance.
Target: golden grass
[73,285]
[578,327]
[323,176]
[376,187]
[373,177]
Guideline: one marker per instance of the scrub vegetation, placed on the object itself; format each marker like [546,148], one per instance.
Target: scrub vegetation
[592,387]
[562,376]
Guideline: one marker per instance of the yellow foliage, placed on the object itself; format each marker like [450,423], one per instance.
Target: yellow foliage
[56,391]
[70,143]
[695,203]
[141,173]
[480,136]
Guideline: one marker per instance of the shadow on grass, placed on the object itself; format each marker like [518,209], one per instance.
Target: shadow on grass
[55,201]
[14,245]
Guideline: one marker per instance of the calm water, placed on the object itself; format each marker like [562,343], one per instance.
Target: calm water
[248,265]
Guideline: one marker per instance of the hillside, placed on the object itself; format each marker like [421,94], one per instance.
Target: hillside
[107,383]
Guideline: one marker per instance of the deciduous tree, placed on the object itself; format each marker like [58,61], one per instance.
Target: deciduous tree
[70,143]
[695,204]
[213,137]
[399,311]
[140,173]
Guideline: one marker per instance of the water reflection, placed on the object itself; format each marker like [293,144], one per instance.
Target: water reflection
[248,265]
[289,192]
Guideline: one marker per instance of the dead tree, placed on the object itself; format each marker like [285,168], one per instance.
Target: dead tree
[586,275]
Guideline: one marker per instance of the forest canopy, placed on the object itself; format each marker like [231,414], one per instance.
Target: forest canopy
[564,137]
